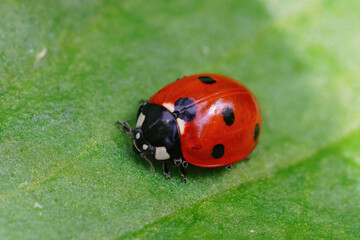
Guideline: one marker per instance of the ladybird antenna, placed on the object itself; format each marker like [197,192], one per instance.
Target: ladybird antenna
[125,127]
[148,160]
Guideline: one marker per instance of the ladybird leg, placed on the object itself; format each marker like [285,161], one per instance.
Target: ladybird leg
[183,173]
[177,162]
[185,164]
[142,101]
[228,167]
[125,127]
[166,170]
[247,158]
[148,160]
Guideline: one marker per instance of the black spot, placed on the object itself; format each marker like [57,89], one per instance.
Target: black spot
[256,132]
[185,109]
[207,80]
[228,115]
[218,151]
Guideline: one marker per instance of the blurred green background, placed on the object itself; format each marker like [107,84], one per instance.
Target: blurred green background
[70,69]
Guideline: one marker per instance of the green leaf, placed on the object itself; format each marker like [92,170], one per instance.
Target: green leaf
[69,70]
[312,199]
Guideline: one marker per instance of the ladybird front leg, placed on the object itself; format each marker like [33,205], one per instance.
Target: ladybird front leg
[148,160]
[166,170]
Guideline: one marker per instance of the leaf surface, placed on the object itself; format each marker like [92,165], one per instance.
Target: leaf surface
[69,70]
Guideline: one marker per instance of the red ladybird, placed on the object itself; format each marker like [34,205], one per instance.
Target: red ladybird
[207,120]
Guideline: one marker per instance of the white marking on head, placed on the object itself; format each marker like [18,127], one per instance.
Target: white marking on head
[140,120]
[169,106]
[161,153]
[145,146]
[137,136]
[181,124]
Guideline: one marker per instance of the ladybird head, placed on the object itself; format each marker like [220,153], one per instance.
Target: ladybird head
[156,132]
[141,145]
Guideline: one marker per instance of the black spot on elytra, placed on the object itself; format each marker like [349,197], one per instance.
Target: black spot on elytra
[185,109]
[256,132]
[207,80]
[228,115]
[218,151]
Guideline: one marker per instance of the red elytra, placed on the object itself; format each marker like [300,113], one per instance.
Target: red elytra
[227,122]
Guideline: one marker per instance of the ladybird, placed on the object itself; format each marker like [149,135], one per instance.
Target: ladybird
[207,120]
